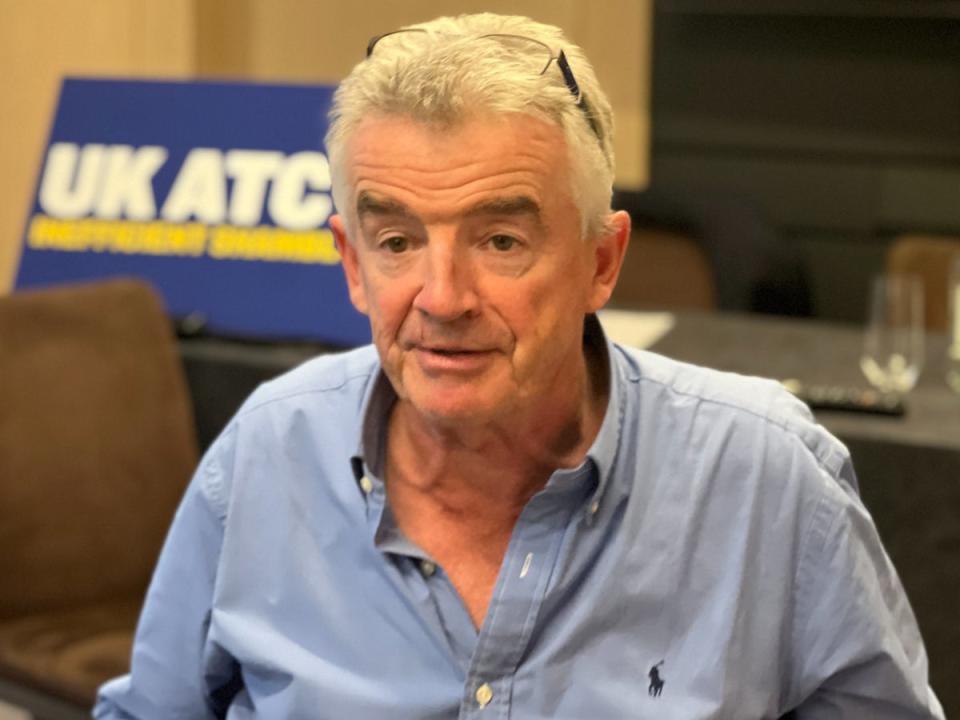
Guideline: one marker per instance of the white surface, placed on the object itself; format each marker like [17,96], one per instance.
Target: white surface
[11,712]
[636,329]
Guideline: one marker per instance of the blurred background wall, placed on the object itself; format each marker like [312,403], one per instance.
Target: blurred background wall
[825,127]
[836,121]
[41,41]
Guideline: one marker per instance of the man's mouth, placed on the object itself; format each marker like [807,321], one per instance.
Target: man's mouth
[452,358]
[452,350]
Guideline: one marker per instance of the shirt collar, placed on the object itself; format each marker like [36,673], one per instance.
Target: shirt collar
[370,454]
[603,451]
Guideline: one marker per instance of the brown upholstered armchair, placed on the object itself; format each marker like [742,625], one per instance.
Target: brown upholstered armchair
[96,446]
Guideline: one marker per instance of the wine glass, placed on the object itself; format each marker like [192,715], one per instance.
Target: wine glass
[893,344]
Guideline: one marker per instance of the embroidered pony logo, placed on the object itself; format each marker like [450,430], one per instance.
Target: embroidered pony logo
[656,682]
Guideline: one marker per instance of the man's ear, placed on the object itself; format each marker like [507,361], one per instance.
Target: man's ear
[351,263]
[609,249]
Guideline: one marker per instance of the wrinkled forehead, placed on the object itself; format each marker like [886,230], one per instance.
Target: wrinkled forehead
[520,154]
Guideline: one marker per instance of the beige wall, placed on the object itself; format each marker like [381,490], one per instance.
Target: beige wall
[43,40]
[320,41]
[304,40]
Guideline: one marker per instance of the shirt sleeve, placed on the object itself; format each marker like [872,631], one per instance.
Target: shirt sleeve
[175,671]
[858,650]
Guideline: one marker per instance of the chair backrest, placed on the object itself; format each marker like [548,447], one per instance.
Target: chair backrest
[664,269]
[96,443]
[930,257]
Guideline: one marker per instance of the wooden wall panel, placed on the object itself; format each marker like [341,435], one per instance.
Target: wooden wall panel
[41,41]
[310,41]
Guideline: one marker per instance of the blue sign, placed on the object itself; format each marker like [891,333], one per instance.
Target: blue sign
[217,193]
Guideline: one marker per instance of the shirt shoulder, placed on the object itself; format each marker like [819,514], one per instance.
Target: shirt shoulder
[346,375]
[304,414]
[761,405]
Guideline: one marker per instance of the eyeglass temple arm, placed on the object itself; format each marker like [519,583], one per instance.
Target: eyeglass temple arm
[568,77]
[377,38]
[574,89]
[373,42]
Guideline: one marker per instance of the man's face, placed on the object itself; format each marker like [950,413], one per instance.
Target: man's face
[465,252]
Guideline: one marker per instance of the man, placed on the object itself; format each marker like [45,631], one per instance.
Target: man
[496,512]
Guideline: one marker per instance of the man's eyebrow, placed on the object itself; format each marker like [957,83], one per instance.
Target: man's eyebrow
[519,205]
[371,205]
[368,205]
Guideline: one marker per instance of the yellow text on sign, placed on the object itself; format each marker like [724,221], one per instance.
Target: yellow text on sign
[157,238]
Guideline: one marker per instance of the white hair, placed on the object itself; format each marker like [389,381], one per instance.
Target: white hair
[446,71]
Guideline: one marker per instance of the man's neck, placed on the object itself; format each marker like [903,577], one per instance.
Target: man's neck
[457,491]
[504,462]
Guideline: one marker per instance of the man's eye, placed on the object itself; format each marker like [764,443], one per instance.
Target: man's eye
[503,243]
[396,243]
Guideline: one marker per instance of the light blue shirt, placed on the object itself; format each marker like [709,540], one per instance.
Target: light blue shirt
[709,559]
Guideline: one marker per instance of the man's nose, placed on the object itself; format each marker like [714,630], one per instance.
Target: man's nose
[447,291]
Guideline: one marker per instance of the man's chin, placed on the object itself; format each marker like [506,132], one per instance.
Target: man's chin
[455,412]
[454,397]
[452,404]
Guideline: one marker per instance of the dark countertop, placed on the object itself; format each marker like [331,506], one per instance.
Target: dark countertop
[816,352]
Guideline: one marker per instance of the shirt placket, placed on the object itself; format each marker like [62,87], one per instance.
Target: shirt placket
[511,617]
[418,577]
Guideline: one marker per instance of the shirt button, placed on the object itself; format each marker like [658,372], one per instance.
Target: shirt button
[594,506]
[427,568]
[366,484]
[484,695]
